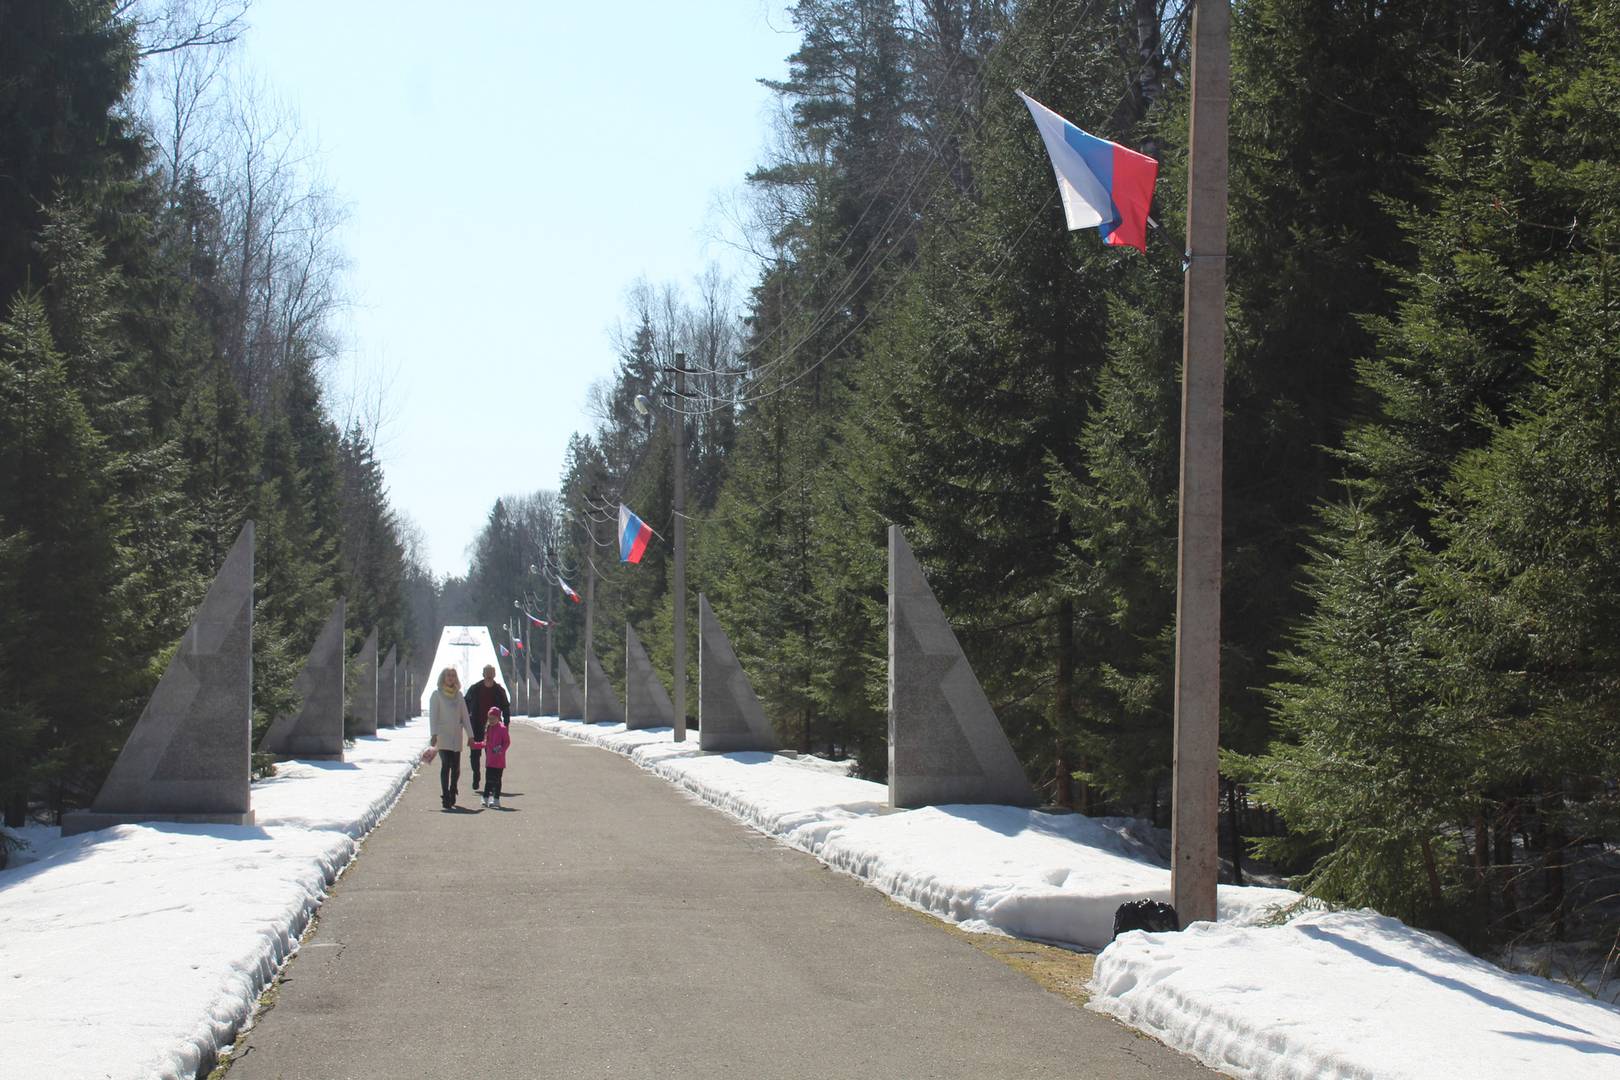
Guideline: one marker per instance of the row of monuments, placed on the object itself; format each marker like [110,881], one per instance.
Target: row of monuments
[946,744]
[189,756]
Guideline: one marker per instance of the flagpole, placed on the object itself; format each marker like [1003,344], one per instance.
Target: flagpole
[1194,850]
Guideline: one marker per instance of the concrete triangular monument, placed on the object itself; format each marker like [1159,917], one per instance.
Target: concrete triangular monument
[570,702]
[363,706]
[729,715]
[646,702]
[399,691]
[548,694]
[945,743]
[315,729]
[188,757]
[601,703]
[387,675]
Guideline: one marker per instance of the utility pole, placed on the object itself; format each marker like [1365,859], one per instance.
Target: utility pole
[590,597]
[1194,850]
[551,613]
[678,413]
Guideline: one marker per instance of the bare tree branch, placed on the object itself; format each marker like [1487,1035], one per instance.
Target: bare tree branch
[170,26]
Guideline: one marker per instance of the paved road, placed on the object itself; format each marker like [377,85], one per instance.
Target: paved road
[606,925]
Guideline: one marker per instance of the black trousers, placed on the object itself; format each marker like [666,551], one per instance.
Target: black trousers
[449,774]
[474,757]
[492,781]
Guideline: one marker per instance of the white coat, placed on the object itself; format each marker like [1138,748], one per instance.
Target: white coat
[447,721]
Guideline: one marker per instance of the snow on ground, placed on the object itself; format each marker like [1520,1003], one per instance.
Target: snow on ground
[139,951]
[1350,994]
[1266,991]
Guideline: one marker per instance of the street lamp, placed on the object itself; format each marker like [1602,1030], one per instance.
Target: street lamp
[550,672]
[644,407]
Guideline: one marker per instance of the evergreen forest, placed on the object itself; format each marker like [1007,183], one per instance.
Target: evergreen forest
[1421,582]
[168,280]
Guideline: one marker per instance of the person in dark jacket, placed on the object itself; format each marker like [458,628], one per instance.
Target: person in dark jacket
[482,697]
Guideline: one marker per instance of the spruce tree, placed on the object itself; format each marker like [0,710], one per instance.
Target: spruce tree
[57,534]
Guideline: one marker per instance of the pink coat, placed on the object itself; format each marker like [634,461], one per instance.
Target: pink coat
[496,740]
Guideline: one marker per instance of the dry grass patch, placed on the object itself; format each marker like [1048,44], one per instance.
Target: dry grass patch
[1062,972]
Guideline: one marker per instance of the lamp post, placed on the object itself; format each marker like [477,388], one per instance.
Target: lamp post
[679,420]
[531,600]
[590,599]
[550,672]
[522,634]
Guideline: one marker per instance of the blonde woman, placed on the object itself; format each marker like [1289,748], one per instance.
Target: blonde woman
[447,720]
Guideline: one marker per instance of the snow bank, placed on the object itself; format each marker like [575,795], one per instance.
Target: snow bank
[1047,877]
[1350,994]
[139,951]
[1341,994]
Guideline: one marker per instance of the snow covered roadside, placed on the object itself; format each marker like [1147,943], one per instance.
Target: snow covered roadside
[1342,994]
[1350,994]
[1046,877]
[140,951]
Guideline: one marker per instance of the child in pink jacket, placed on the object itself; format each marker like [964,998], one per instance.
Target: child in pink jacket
[496,739]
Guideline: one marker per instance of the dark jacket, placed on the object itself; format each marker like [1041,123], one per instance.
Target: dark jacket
[481,699]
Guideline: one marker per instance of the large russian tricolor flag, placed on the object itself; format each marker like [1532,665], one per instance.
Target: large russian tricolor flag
[1102,183]
[633,535]
[570,593]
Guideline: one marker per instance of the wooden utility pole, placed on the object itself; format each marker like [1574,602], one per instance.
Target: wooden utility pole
[590,596]
[1194,840]
[678,414]
[551,613]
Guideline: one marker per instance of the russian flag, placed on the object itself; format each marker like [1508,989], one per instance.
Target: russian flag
[537,620]
[1102,183]
[504,651]
[633,535]
[570,593]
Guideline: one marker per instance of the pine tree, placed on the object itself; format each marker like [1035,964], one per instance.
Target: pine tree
[1526,585]
[68,67]
[373,557]
[1372,774]
[58,540]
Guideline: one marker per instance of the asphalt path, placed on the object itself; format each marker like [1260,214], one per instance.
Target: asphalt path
[605,924]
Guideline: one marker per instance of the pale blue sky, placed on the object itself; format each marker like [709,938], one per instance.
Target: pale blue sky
[510,169]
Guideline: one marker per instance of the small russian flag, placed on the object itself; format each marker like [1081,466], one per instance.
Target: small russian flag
[570,593]
[536,619]
[1102,183]
[633,535]
[503,648]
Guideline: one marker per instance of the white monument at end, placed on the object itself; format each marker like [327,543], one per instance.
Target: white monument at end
[468,649]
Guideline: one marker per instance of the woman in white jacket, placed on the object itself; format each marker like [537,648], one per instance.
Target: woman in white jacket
[447,720]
